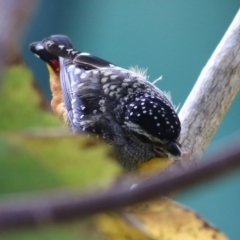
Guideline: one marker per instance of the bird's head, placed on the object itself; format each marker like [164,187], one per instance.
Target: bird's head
[40,51]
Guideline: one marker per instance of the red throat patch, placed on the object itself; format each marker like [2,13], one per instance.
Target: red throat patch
[55,65]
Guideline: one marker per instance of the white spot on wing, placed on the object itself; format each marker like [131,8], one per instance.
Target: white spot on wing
[124,85]
[107,74]
[126,80]
[70,68]
[103,80]
[77,71]
[80,85]
[113,87]
[113,77]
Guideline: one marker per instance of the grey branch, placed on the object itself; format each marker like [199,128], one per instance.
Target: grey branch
[212,95]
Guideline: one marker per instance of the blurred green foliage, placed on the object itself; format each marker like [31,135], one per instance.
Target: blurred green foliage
[71,231]
[36,154]
[20,103]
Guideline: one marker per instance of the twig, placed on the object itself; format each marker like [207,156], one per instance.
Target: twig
[40,208]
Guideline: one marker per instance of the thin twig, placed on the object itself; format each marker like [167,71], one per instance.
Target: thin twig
[40,208]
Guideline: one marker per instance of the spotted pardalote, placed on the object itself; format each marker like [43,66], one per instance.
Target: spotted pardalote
[119,105]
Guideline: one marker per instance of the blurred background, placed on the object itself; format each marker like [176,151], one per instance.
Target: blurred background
[170,38]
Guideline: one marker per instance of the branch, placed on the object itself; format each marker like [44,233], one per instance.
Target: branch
[13,17]
[212,95]
[42,208]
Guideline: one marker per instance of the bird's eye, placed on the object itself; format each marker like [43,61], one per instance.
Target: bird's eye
[142,138]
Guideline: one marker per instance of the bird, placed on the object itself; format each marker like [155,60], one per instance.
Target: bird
[121,106]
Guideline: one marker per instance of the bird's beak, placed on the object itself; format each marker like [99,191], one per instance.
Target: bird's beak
[174,148]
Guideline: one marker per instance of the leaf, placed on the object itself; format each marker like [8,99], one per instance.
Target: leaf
[83,230]
[21,103]
[161,219]
[36,163]
[114,227]
[35,152]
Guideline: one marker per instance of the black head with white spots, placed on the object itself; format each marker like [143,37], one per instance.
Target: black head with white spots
[153,118]
[39,50]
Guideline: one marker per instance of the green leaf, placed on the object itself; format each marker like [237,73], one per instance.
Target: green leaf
[20,102]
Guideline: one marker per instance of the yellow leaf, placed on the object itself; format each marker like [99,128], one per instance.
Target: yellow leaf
[161,219]
[115,227]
